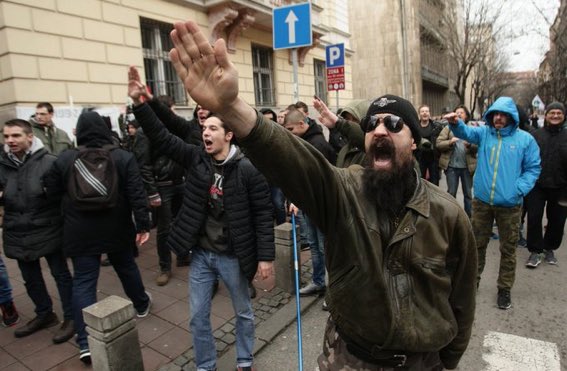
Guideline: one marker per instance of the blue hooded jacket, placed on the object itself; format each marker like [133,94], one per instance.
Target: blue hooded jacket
[508,159]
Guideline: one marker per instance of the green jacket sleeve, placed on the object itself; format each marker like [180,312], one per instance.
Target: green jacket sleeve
[352,131]
[301,171]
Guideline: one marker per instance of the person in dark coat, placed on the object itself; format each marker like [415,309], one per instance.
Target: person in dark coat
[88,234]
[298,125]
[225,220]
[33,227]
[549,189]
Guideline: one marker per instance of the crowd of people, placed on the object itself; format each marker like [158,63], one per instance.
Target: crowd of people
[367,198]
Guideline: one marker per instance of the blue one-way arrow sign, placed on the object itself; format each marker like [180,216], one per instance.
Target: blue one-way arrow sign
[292,26]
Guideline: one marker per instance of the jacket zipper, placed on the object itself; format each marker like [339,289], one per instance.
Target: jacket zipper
[497,161]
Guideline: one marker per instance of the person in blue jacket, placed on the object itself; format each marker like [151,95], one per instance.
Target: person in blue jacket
[507,169]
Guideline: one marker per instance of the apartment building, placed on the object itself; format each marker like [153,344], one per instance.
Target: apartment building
[75,54]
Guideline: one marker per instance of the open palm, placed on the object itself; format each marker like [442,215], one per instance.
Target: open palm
[207,74]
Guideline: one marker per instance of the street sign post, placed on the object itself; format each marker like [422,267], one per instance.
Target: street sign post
[291,28]
[335,63]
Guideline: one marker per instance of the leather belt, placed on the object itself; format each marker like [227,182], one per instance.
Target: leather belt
[378,356]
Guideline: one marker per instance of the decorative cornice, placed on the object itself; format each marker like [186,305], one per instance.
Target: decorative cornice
[219,19]
[245,19]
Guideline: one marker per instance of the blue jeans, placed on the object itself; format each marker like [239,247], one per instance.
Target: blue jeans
[453,175]
[5,286]
[206,266]
[171,198]
[86,272]
[278,200]
[317,243]
[35,285]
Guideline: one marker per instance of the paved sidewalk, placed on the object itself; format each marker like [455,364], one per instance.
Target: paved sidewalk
[165,340]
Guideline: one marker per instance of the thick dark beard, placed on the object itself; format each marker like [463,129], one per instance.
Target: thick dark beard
[390,190]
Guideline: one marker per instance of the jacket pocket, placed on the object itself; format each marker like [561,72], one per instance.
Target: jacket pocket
[436,266]
[338,281]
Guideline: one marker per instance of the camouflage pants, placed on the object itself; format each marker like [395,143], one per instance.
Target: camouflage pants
[336,357]
[508,222]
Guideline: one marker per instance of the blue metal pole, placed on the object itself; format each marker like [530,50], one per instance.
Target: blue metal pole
[298,306]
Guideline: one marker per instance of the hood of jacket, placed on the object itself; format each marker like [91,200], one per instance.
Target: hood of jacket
[507,106]
[313,130]
[37,144]
[357,108]
[234,154]
[92,131]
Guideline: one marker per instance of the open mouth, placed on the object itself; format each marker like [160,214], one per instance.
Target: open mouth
[382,153]
[208,144]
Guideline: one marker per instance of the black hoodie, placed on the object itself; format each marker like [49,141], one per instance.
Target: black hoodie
[95,232]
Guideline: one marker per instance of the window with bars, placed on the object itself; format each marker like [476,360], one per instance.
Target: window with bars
[262,68]
[320,74]
[160,74]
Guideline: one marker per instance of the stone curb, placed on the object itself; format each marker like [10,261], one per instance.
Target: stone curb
[268,330]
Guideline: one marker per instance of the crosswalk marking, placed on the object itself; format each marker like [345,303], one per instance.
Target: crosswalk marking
[505,352]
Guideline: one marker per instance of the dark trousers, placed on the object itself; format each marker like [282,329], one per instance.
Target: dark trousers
[432,165]
[538,200]
[171,198]
[86,272]
[35,285]
[278,200]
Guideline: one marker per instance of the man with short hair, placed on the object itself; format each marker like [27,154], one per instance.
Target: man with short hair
[508,165]
[33,227]
[549,189]
[296,122]
[225,220]
[55,140]
[400,251]
[427,154]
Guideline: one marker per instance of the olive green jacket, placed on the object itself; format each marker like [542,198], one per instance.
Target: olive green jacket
[445,147]
[417,294]
[55,140]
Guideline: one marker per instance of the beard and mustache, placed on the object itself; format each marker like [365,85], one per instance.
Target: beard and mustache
[390,189]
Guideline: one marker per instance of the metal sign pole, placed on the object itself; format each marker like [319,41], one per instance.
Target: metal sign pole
[295,77]
[337,102]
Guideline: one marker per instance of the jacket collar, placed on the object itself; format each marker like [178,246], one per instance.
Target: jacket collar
[419,202]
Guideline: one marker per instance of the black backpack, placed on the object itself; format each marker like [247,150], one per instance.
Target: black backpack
[93,179]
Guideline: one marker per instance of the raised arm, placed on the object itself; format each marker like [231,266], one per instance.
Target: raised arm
[209,76]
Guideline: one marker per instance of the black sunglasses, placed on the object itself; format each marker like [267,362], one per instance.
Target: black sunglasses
[393,123]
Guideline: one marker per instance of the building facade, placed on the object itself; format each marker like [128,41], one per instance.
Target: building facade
[400,48]
[552,74]
[75,54]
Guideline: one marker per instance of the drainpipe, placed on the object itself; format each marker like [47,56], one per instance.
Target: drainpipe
[405,58]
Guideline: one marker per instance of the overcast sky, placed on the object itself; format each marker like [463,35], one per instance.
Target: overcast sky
[527,50]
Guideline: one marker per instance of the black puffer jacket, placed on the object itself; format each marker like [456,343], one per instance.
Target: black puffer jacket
[246,198]
[95,232]
[552,142]
[314,136]
[32,222]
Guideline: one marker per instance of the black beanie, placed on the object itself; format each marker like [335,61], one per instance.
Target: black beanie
[400,107]
[555,105]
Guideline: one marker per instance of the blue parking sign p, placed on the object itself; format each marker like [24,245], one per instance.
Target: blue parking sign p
[335,55]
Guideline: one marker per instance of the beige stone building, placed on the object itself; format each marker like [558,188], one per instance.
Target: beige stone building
[75,53]
[400,48]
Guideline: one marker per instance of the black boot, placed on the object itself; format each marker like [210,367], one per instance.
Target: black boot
[9,314]
[65,332]
[36,324]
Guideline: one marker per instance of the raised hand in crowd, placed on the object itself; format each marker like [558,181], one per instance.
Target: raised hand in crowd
[327,117]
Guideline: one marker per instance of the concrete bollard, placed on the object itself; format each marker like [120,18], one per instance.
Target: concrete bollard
[284,266]
[113,337]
